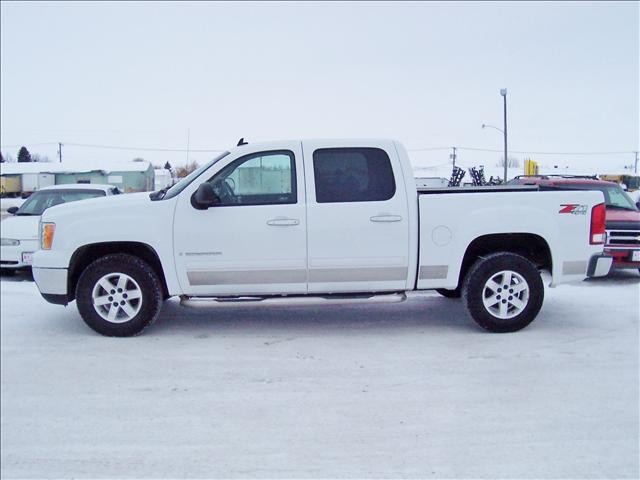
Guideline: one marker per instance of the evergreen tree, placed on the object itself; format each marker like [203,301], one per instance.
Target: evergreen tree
[1,158]
[167,166]
[24,155]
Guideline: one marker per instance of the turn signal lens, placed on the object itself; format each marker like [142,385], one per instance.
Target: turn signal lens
[46,238]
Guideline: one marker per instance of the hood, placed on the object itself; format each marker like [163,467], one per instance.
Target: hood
[96,205]
[619,215]
[20,227]
[622,219]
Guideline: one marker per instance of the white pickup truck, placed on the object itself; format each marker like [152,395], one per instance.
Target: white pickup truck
[316,221]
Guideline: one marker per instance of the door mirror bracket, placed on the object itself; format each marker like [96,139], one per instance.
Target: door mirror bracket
[204,197]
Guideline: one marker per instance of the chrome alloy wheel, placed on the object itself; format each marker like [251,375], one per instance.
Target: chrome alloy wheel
[117,297]
[505,294]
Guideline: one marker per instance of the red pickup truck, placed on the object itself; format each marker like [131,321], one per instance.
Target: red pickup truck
[622,217]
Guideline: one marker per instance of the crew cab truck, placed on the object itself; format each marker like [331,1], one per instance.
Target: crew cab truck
[315,221]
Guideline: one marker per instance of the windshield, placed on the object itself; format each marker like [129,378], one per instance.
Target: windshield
[182,184]
[614,196]
[38,202]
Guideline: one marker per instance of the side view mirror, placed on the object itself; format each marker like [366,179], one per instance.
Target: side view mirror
[204,197]
[13,210]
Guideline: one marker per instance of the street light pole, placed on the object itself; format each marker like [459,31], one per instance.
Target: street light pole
[503,92]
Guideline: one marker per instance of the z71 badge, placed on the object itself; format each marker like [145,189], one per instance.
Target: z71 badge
[574,208]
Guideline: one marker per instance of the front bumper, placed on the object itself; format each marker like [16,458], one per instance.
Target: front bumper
[11,255]
[623,257]
[599,265]
[52,283]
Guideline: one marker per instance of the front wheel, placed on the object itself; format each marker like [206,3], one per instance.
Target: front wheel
[119,295]
[503,292]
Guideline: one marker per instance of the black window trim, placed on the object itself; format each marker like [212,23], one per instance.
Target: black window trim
[393,177]
[262,153]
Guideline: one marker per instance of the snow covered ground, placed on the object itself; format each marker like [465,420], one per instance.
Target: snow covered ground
[408,390]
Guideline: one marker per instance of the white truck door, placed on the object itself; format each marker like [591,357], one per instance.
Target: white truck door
[254,241]
[357,214]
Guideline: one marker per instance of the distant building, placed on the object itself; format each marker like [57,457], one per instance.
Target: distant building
[163,178]
[27,177]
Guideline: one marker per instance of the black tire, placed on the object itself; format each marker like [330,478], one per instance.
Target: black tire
[7,272]
[445,292]
[138,270]
[483,270]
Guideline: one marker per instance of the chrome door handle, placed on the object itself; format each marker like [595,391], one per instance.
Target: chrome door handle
[283,222]
[386,218]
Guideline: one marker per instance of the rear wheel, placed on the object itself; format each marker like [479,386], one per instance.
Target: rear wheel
[503,292]
[119,295]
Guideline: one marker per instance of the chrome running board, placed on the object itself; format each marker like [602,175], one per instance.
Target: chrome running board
[299,300]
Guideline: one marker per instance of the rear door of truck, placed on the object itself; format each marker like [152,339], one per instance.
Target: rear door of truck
[357,217]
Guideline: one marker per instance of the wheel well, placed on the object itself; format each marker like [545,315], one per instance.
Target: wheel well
[532,247]
[82,257]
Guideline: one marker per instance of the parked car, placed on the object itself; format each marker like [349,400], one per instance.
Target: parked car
[622,215]
[20,232]
[315,221]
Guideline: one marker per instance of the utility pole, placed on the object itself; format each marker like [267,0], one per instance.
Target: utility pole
[503,92]
[635,167]
[60,151]
[453,156]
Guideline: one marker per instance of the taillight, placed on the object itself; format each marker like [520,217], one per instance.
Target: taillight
[597,234]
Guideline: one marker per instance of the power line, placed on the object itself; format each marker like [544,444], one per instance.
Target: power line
[29,145]
[146,149]
[530,152]
[427,149]
[216,150]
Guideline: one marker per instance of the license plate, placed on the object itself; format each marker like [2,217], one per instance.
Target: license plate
[635,256]
[27,258]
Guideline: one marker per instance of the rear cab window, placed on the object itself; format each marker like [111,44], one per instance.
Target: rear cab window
[352,174]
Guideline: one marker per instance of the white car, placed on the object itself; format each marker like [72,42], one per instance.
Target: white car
[20,232]
[316,221]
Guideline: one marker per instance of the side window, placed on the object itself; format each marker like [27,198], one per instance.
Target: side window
[352,175]
[265,178]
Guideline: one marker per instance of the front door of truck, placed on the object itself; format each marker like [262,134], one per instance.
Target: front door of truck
[253,241]
[357,216]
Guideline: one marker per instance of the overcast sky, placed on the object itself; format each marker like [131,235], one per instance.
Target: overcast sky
[429,74]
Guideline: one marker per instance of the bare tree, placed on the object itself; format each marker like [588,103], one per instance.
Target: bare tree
[37,158]
[185,170]
[7,158]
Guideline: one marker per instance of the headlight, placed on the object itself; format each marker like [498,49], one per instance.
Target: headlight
[46,235]
[9,242]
